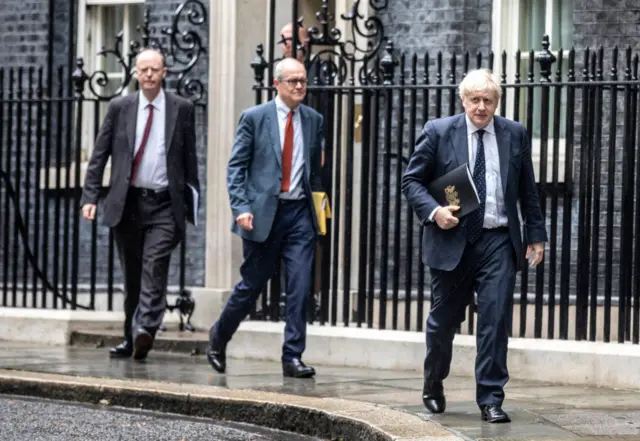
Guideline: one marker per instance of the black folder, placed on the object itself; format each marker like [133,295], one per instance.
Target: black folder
[456,188]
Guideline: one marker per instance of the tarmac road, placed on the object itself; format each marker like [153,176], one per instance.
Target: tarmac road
[31,419]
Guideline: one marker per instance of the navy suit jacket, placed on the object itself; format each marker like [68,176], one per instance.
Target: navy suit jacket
[441,147]
[254,172]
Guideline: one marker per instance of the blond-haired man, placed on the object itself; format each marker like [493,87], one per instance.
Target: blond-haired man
[481,251]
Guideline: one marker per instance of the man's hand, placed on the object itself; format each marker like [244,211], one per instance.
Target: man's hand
[444,217]
[245,221]
[535,253]
[89,211]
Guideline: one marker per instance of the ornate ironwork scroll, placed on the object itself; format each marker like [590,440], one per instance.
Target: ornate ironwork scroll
[184,50]
[333,61]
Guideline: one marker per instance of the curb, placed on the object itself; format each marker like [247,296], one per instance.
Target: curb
[329,418]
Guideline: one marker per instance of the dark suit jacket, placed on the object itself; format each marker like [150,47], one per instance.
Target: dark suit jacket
[441,147]
[116,138]
[254,172]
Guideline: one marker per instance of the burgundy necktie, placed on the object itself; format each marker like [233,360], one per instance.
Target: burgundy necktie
[287,154]
[138,158]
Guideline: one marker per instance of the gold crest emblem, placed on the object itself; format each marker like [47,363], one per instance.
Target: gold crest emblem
[452,195]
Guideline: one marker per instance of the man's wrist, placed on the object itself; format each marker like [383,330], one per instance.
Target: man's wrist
[433,214]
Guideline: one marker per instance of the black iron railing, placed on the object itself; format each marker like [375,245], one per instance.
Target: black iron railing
[51,258]
[582,121]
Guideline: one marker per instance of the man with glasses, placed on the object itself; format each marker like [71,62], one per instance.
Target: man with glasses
[273,169]
[150,137]
[286,40]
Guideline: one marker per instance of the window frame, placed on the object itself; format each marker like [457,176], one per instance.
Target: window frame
[506,37]
[89,45]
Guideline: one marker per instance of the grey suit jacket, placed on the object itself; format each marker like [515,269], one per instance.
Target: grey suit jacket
[441,147]
[254,172]
[116,139]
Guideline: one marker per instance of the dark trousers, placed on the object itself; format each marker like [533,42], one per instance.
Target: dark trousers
[145,238]
[487,267]
[292,239]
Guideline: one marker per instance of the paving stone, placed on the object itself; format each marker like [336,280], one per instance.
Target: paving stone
[540,411]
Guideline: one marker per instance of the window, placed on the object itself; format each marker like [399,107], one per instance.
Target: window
[99,24]
[534,18]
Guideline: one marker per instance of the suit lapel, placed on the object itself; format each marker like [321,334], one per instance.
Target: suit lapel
[459,141]
[274,131]
[171,112]
[503,138]
[131,121]
[306,137]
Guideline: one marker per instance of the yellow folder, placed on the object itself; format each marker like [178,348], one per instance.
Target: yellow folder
[323,210]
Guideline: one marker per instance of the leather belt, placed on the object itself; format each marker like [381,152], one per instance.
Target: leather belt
[147,193]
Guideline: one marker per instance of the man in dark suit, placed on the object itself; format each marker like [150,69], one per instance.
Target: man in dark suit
[150,137]
[482,251]
[273,169]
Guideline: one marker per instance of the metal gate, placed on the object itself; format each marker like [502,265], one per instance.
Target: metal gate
[50,255]
[582,123]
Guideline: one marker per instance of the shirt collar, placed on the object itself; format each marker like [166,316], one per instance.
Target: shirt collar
[157,103]
[471,127]
[282,107]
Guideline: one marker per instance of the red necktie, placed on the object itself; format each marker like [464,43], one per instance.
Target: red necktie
[138,158]
[287,154]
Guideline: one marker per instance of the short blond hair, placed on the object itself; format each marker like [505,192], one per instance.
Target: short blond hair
[479,80]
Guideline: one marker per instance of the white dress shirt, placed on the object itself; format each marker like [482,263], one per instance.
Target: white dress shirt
[296,190]
[495,213]
[152,172]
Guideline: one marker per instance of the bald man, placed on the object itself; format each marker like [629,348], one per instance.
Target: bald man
[286,39]
[150,137]
[273,169]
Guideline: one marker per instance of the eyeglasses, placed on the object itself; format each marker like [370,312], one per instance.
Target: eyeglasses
[295,81]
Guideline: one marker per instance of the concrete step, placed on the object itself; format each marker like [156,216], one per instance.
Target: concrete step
[193,343]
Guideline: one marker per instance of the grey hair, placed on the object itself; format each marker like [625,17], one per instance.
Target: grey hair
[479,80]
[278,72]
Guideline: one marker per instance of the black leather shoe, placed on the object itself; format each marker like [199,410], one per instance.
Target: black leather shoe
[216,354]
[493,413]
[142,344]
[297,369]
[123,350]
[433,396]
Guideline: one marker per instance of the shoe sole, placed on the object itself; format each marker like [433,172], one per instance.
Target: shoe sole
[290,375]
[111,355]
[497,420]
[142,346]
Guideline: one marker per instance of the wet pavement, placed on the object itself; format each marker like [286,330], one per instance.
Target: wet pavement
[61,421]
[540,411]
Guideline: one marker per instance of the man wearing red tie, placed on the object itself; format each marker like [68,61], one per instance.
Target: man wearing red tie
[150,137]
[275,165]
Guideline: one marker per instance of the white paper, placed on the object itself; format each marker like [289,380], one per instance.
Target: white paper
[473,184]
[195,195]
